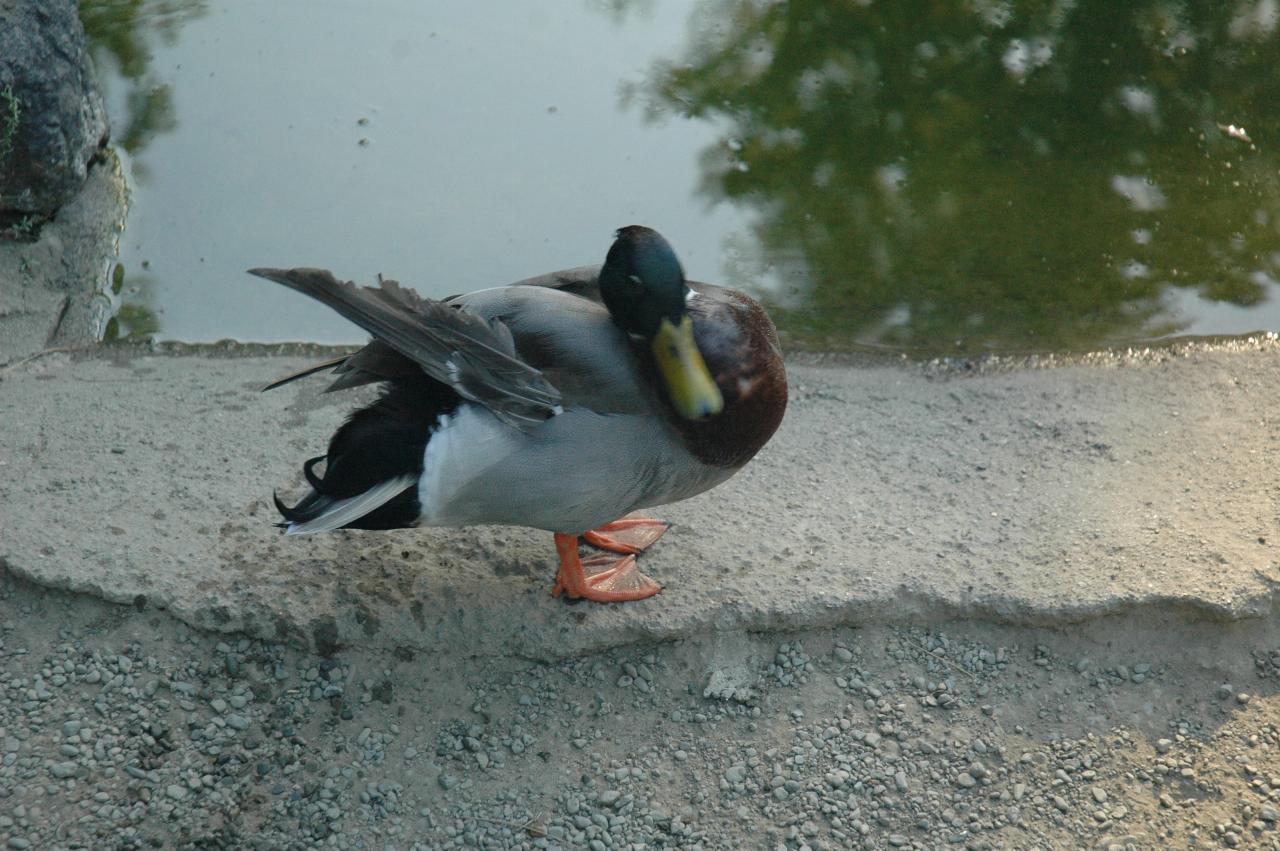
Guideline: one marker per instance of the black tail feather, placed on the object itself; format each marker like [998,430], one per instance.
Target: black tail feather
[376,443]
[306,509]
[308,470]
[289,514]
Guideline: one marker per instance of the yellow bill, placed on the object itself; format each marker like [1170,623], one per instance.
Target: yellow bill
[689,383]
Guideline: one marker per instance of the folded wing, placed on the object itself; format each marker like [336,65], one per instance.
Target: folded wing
[473,355]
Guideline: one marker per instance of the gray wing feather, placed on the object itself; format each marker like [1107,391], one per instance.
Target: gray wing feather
[581,281]
[474,355]
[377,361]
[572,340]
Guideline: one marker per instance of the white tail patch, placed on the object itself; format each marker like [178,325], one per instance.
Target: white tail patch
[346,511]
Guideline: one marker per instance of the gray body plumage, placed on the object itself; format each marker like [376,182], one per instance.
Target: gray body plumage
[602,457]
[577,471]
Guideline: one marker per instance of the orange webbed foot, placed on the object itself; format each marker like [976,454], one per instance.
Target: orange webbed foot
[629,535]
[612,580]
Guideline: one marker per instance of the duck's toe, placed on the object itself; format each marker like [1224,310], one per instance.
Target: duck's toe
[629,535]
[615,580]
[602,578]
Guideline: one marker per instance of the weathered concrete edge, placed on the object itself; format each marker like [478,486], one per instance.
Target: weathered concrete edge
[1154,352]
[346,627]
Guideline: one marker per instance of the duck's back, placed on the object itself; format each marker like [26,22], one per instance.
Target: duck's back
[570,338]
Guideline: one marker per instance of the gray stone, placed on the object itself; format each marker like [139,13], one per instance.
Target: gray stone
[63,770]
[52,121]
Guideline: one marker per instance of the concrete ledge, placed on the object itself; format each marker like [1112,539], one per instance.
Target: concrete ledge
[891,494]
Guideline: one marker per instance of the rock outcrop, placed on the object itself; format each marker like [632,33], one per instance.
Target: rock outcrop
[52,120]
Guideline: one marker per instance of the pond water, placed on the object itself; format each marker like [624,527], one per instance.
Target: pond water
[931,177]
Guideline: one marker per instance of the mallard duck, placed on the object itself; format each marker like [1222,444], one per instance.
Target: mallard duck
[565,402]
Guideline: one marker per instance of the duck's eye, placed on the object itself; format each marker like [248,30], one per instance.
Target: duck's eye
[635,283]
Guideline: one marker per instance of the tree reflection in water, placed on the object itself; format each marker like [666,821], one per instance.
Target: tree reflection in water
[990,175]
[120,29]
[118,32]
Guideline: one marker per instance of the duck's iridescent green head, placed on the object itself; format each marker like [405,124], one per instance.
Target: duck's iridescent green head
[643,287]
[642,282]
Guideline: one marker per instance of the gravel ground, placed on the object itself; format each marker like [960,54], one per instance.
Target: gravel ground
[123,728]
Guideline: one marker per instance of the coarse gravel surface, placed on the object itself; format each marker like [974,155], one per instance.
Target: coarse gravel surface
[124,728]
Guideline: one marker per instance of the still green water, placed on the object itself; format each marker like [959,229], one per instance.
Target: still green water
[931,177]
